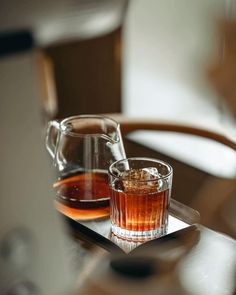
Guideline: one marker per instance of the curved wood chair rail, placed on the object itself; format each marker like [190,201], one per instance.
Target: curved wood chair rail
[130,125]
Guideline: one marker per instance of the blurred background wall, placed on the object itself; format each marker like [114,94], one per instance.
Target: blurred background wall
[168,46]
[154,65]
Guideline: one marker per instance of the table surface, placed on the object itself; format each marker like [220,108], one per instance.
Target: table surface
[203,261]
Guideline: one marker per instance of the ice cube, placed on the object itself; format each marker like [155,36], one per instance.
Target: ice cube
[145,179]
[149,173]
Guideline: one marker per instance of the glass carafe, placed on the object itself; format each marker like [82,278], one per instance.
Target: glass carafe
[82,148]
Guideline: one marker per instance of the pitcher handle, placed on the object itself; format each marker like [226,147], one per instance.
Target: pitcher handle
[51,141]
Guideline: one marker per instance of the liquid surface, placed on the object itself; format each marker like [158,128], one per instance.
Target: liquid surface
[84,195]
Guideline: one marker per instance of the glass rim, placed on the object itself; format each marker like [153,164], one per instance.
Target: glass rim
[141,159]
[88,116]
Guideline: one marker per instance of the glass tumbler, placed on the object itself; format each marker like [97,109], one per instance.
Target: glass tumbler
[140,190]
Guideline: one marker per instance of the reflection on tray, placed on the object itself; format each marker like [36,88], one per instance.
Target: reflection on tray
[173,226]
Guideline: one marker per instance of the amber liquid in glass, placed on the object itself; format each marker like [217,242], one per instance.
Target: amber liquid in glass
[84,195]
[139,210]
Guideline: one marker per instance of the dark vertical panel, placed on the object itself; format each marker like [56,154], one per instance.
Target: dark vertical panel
[88,75]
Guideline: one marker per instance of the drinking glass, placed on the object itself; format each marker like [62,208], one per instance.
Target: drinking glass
[140,197]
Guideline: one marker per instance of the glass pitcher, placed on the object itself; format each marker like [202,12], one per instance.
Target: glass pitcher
[82,148]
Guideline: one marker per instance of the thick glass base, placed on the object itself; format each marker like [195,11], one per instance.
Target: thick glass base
[133,235]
